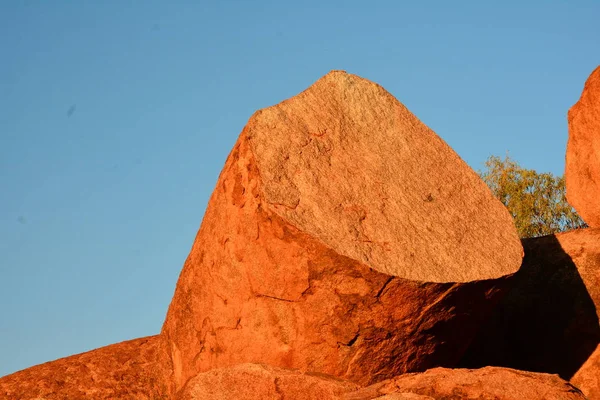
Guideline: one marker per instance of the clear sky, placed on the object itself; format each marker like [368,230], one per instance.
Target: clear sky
[117,116]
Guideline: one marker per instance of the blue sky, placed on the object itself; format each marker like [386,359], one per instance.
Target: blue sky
[116,118]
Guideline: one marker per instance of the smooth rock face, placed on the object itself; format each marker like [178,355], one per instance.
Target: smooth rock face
[127,370]
[588,377]
[262,382]
[582,169]
[343,237]
[486,383]
[548,321]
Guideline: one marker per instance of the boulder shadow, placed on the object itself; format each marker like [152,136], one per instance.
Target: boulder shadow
[547,321]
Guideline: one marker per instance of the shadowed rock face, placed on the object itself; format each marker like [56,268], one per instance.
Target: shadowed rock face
[343,237]
[582,168]
[486,383]
[127,370]
[548,321]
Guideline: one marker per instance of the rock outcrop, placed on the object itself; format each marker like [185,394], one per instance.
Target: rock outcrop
[582,170]
[548,321]
[486,383]
[129,370]
[262,382]
[343,237]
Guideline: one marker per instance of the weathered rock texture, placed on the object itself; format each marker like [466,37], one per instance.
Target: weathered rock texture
[404,396]
[588,377]
[582,170]
[548,321]
[127,370]
[486,383]
[343,237]
[262,382]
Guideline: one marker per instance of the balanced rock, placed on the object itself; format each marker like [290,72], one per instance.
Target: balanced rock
[129,370]
[486,383]
[548,321]
[582,169]
[262,382]
[343,237]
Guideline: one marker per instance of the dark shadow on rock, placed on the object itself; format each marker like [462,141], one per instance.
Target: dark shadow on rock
[547,321]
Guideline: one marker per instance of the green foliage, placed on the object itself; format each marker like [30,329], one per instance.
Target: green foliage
[537,201]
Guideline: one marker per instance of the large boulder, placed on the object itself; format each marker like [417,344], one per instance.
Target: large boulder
[343,237]
[129,370]
[582,170]
[457,384]
[548,321]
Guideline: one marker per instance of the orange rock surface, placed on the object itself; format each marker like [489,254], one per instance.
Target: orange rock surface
[582,169]
[588,377]
[128,370]
[343,237]
[404,396]
[486,383]
[262,382]
[548,321]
